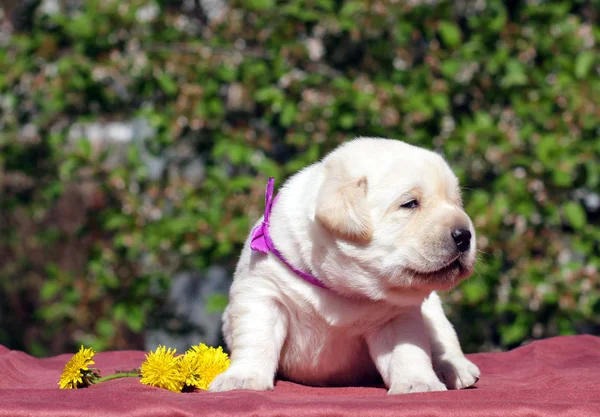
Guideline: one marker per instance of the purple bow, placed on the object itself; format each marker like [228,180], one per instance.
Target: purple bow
[261,239]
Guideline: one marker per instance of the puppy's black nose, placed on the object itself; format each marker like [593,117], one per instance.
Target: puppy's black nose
[462,238]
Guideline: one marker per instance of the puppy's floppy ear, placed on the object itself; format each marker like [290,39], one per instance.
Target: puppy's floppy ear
[342,205]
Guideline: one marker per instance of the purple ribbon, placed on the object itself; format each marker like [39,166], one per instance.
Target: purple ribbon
[261,238]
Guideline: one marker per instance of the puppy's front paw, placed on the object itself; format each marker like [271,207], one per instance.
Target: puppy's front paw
[420,383]
[457,372]
[241,379]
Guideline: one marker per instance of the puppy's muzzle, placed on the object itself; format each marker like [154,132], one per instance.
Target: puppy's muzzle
[462,238]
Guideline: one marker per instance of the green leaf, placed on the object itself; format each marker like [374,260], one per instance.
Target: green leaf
[216,303]
[450,67]
[547,149]
[326,4]
[116,221]
[67,168]
[49,290]
[105,328]
[440,102]
[268,94]
[497,23]
[288,113]
[515,332]
[80,27]
[227,73]
[347,121]
[135,319]
[450,33]
[166,83]
[260,4]
[53,190]
[575,214]
[351,8]
[474,290]
[515,74]
[583,63]
[85,147]
[562,178]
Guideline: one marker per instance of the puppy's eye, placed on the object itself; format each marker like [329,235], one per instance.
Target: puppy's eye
[410,204]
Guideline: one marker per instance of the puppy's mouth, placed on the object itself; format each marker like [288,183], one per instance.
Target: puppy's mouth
[451,267]
[447,275]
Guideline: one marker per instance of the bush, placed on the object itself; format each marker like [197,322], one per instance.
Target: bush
[90,235]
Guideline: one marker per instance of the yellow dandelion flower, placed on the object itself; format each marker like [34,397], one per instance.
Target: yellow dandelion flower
[161,369]
[199,349]
[211,362]
[76,373]
[189,366]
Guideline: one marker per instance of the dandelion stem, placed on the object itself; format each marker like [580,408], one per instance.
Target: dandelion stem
[117,376]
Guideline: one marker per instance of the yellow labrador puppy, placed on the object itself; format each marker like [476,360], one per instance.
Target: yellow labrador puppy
[335,285]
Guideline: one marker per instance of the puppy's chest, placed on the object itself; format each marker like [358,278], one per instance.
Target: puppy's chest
[314,353]
[328,350]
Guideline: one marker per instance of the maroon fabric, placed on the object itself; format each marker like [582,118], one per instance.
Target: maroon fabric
[558,376]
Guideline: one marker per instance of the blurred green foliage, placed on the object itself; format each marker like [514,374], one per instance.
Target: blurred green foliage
[508,91]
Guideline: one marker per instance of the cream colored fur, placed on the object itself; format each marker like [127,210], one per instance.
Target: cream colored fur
[342,220]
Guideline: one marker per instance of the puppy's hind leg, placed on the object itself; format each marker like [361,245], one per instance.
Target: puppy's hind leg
[449,362]
[256,332]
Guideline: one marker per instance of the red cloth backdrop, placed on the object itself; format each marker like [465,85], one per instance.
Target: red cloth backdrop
[555,377]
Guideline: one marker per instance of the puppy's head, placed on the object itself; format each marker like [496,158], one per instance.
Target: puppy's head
[397,210]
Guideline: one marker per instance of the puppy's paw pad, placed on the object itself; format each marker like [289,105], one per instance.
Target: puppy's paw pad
[228,381]
[416,385]
[457,372]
